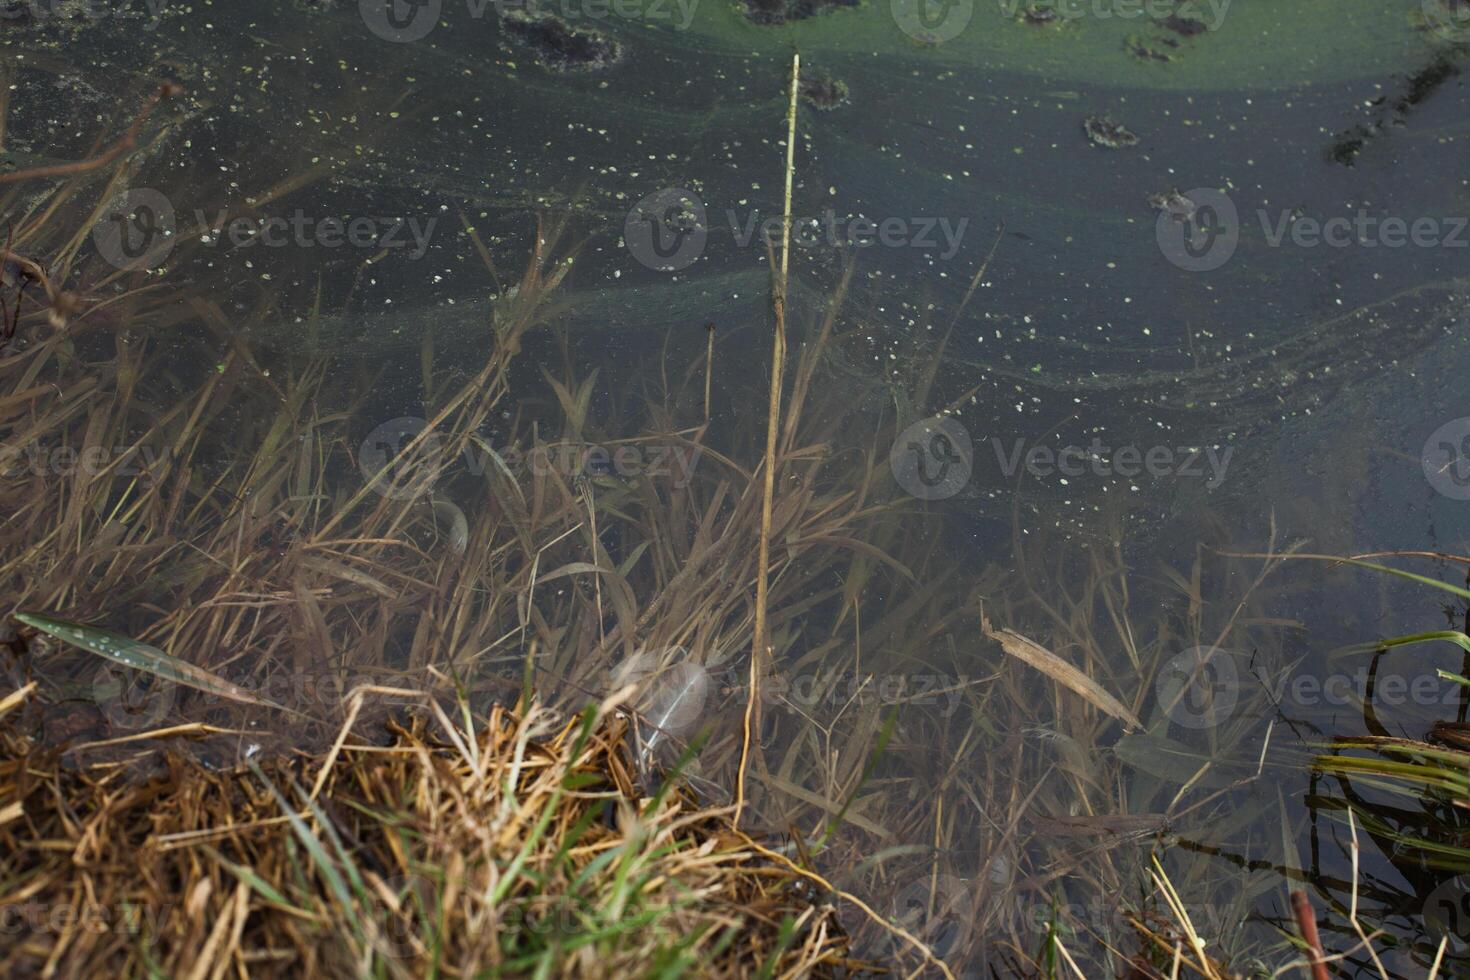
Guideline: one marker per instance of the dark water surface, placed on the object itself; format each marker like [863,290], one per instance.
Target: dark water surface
[1163,332]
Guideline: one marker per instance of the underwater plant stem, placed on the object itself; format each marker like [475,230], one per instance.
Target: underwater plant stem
[709,365]
[129,140]
[1306,921]
[773,424]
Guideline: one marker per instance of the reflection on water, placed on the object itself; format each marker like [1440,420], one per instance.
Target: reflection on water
[426,355]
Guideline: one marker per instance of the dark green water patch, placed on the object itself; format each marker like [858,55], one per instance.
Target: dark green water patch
[773,12]
[558,45]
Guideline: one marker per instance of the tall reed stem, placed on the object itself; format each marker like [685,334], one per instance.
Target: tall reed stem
[760,646]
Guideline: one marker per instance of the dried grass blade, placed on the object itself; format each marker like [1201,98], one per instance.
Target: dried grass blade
[1035,655]
[15,698]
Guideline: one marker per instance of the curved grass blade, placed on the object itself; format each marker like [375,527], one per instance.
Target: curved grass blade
[1463,593]
[141,656]
[1453,636]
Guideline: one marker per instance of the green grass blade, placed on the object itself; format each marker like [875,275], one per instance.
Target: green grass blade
[1452,636]
[314,848]
[1463,593]
[141,656]
[783,942]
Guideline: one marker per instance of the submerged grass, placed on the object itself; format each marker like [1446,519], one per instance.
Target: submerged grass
[226,602]
[1411,797]
[284,701]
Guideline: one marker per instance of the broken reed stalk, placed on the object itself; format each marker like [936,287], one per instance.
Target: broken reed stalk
[129,140]
[773,423]
[709,365]
[1306,921]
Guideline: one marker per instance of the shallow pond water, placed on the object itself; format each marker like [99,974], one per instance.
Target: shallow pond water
[1188,282]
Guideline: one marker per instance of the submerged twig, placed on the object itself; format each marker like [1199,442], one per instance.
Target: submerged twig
[126,143]
[1306,921]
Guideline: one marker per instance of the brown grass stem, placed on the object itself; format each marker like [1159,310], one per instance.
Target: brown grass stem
[778,359]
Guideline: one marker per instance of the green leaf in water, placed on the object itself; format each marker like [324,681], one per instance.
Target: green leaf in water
[140,656]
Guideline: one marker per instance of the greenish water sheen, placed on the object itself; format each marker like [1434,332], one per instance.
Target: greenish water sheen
[1257,45]
[1318,372]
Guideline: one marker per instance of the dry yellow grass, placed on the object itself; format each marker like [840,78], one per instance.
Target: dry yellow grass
[520,847]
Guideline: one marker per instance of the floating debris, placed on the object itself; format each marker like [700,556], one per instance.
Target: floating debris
[1425,82]
[1040,15]
[1346,146]
[1178,206]
[1104,131]
[1388,112]
[1184,26]
[559,46]
[824,92]
[455,525]
[1140,49]
[772,12]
